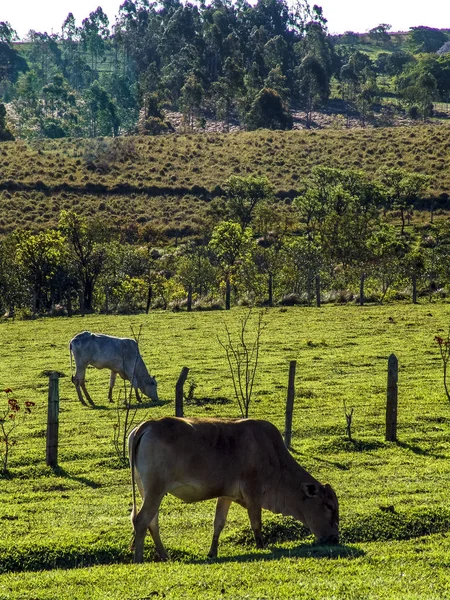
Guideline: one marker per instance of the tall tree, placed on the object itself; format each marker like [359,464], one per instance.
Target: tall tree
[87,253]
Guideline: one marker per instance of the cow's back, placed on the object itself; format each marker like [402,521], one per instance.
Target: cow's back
[105,351]
[213,455]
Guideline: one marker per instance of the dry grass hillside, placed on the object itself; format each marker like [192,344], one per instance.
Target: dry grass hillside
[171,181]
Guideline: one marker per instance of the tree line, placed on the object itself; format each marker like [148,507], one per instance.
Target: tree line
[343,238]
[239,62]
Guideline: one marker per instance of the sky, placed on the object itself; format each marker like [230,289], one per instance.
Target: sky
[343,15]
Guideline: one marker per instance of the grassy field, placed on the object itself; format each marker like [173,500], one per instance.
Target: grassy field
[66,532]
[171,181]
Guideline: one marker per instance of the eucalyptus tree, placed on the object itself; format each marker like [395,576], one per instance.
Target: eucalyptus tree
[11,62]
[94,35]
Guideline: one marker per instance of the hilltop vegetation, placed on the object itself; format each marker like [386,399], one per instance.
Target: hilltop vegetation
[241,64]
[96,220]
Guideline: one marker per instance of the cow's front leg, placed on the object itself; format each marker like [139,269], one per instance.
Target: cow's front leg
[138,396]
[222,506]
[112,381]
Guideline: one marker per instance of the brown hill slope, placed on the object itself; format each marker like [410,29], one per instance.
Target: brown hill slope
[173,178]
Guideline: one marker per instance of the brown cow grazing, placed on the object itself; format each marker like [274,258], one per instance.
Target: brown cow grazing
[242,461]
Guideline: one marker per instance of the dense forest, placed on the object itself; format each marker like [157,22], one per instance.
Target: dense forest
[127,219]
[241,64]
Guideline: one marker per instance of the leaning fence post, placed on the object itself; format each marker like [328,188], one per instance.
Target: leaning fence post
[179,392]
[52,419]
[290,404]
[391,404]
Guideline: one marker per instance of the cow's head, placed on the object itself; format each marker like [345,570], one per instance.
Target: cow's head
[150,388]
[321,512]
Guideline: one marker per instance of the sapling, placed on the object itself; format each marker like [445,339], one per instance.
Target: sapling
[126,412]
[444,348]
[243,357]
[10,417]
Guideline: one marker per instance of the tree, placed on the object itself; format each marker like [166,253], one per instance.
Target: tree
[267,110]
[231,244]
[191,99]
[101,112]
[86,253]
[11,62]
[40,256]
[195,272]
[426,39]
[94,33]
[5,134]
[403,188]
[13,287]
[313,85]
[243,196]
[380,34]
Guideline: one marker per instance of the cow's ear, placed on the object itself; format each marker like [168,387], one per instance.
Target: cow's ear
[311,490]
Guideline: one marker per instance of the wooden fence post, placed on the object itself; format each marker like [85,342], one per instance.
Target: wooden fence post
[391,404]
[179,392]
[52,419]
[290,404]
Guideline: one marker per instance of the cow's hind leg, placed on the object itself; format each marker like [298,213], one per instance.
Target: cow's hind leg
[147,518]
[86,393]
[77,387]
[222,506]
[154,531]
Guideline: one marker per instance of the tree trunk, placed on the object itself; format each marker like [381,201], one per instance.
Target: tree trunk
[402,214]
[149,299]
[414,288]
[270,290]
[361,289]
[318,302]
[82,306]
[228,293]
[69,302]
[189,298]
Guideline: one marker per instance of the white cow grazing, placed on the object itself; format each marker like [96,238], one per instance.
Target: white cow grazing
[120,355]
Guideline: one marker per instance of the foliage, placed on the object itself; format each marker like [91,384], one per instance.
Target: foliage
[9,420]
[267,111]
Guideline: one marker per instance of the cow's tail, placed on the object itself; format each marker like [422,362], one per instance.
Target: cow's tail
[135,437]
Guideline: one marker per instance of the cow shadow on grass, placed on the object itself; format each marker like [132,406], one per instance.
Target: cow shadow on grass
[273,553]
[133,406]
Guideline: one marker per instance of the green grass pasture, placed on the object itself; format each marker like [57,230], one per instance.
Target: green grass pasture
[66,532]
